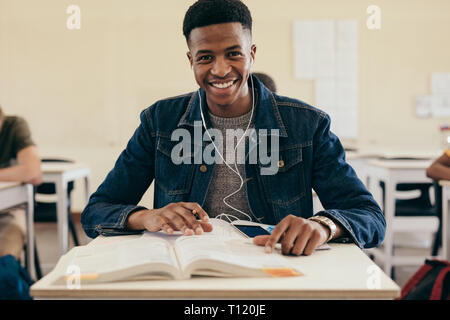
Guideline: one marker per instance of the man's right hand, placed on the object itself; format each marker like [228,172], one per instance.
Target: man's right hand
[175,216]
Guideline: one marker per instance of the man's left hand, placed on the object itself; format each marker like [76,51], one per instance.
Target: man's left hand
[297,236]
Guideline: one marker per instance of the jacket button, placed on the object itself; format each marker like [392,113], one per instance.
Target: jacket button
[203,168]
[280,164]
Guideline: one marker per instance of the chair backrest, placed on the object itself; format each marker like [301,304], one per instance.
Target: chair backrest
[418,204]
[50,188]
[424,188]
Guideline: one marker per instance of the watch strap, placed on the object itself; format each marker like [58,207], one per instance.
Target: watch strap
[326,222]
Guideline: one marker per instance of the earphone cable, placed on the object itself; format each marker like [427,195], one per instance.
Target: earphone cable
[236,170]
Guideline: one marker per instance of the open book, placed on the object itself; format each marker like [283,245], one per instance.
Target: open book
[221,253]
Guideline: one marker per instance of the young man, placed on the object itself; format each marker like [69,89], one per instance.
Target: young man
[308,155]
[19,161]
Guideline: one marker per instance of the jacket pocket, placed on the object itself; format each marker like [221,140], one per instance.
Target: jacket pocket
[172,178]
[287,185]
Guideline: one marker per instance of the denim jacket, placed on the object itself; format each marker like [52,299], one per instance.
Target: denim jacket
[312,158]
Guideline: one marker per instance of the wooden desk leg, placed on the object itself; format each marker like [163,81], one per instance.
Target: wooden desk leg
[389,212]
[30,231]
[63,227]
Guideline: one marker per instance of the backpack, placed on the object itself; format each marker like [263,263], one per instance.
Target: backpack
[430,282]
[15,281]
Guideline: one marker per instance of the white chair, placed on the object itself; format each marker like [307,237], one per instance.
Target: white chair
[415,225]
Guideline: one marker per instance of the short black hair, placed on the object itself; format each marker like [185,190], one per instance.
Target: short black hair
[208,12]
[266,80]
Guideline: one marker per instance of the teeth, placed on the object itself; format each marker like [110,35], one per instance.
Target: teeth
[222,85]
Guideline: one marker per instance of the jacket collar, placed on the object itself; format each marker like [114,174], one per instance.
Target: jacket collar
[267,114]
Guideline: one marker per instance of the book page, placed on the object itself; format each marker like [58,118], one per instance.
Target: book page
[241,252]
[120,256]
[223,229]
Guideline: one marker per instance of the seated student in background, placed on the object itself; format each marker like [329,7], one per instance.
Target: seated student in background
[440,168]
[19,161]
[221,54]
[266,80]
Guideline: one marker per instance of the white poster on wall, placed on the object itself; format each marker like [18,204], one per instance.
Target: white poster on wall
[326,51]
[437,104]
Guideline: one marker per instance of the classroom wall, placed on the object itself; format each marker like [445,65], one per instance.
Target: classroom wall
[82,90]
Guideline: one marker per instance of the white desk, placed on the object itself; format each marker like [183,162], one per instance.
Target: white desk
[61,174]
[358,162]
[396,153]
[344,272]
[358,159]
[393,172]
[445,219]
[16,193]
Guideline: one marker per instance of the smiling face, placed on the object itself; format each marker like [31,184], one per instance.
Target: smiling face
[221,56]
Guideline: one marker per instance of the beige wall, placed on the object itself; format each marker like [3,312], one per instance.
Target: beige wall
[81,91]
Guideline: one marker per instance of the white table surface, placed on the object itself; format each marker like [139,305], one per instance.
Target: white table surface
[344,271]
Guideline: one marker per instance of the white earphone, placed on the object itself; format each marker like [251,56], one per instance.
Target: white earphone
[235,170]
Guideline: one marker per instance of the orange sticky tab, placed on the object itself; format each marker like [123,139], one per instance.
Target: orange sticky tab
[281,272]
[85,277]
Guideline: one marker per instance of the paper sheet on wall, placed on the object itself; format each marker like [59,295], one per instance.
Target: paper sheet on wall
[346,50]
[423,106]
[440,83]
[327,52]
[314,49]
[325,94]
[347,78]
[324,49]
[347,120]
[347,34]
[304,62]
[347,94]
[440,106]
[438,103]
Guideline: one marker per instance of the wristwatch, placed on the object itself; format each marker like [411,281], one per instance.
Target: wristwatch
[326,222]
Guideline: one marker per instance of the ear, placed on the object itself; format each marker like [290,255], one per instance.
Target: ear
[253,52]
[191,60]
